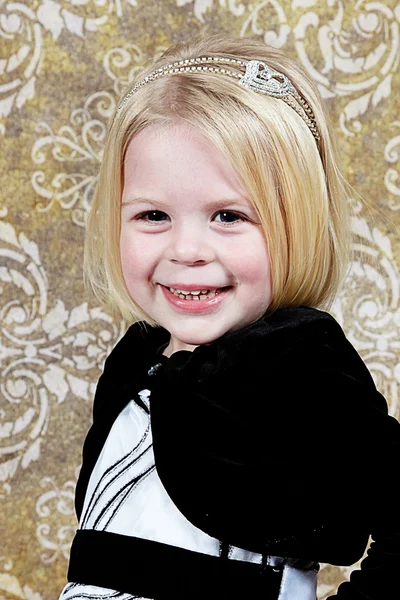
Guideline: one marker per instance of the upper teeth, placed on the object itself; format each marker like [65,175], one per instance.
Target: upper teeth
[194,292]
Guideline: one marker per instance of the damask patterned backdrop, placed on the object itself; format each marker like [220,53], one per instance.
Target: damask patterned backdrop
[62,66]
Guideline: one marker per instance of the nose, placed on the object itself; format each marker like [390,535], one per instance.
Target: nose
[190,244]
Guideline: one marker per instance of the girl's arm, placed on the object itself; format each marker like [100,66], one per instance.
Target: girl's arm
[378,577]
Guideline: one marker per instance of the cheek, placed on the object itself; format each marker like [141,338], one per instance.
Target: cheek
[130,255]
[124,252]
[138,257]
[252,262]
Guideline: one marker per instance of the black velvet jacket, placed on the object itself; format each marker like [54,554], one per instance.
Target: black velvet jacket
[288,446]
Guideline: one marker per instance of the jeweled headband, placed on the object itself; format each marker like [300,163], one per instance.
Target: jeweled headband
[258,76]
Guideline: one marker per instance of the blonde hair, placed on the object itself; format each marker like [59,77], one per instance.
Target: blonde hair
[294,184]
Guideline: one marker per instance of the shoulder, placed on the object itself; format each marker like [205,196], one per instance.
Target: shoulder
[299,323]
[133,351]
[299,356]
[126,366]
[291,337]
[284,326]
[309,337]
[298,317]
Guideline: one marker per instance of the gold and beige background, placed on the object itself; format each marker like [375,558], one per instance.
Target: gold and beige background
[62,66]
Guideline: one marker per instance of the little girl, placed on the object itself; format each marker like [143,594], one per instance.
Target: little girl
[220,231]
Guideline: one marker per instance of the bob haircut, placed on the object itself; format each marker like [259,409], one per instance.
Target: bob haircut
[292,181]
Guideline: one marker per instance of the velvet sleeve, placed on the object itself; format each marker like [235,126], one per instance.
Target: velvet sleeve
[378,576]
[283,446]
[105,410]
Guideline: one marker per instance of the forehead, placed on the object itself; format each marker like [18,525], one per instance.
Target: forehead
[177,157]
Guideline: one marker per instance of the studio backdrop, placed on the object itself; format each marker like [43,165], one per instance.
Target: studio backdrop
[63,64]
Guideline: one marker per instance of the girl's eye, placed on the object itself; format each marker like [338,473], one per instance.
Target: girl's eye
[144,216]
[153,216]
[230,215]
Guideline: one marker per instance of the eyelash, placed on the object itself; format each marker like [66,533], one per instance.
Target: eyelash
[142,216]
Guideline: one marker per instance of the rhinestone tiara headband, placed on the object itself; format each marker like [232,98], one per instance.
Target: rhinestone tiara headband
[258,77]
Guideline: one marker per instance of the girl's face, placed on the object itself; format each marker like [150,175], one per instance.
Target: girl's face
[186,224]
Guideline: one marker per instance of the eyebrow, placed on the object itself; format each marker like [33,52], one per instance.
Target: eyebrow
[223,202]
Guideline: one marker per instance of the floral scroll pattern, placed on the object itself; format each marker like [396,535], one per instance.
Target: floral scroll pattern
[19,70]
[358,55]
[24,26]
[370,304]
[392,176]
[46,352]
[10,585]
[53,341]
[53,505]
[74,146]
